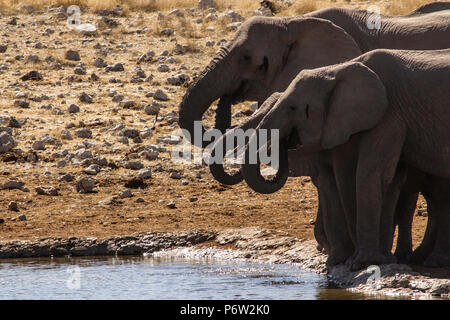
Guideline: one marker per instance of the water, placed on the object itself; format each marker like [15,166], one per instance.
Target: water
[159,278]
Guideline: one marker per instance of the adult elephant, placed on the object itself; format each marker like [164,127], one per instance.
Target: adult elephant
[367,115]
[266,54]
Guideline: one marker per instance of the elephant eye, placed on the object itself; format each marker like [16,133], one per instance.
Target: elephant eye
[247,58]
[307,111]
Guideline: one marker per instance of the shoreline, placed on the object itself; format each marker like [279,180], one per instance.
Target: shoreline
[251,244]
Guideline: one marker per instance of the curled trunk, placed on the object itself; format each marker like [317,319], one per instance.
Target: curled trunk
[254,179]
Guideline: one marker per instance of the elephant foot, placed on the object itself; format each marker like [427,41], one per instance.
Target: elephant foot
[418,256]
[368,257]
[403,256]
[336,258]
[437,259]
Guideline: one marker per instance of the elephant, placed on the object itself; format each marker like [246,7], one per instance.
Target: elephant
[365,117]
[251,69]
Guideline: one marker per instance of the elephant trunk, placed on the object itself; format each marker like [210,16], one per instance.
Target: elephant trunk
[252,172]
[212,84]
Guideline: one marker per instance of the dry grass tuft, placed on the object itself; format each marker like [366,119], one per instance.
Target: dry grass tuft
[400,7]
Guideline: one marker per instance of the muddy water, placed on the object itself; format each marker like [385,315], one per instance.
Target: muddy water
[160,278]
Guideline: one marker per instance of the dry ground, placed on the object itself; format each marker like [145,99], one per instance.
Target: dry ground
[44,33]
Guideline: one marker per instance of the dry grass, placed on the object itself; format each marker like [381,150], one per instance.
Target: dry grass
[400,7]
[396,7]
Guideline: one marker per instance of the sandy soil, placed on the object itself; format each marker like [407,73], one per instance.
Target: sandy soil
[191,201]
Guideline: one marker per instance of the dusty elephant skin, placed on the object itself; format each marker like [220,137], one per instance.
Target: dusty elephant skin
[397,135]
[254,244]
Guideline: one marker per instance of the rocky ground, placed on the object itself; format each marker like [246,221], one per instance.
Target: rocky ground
[88,119]
[251,243]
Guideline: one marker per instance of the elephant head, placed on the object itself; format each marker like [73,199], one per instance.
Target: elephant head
[263,57]
[320,110]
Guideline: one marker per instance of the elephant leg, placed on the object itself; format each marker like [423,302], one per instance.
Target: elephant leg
[319,232]
[340,244]
[378,160]
[403,218]
[440,255]
[390,202]
[426,246]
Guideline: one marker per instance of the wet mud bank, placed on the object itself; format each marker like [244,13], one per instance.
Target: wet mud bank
[255,244]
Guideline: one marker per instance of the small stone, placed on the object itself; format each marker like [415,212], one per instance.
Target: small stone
[83,133]
[152,109]
[7,142]
[145,174]
[73,55]
[13,183]
[117,67]
[99,63]
[171,205]
[22,104]
[134,165]
[127,104]
[84,97]
[130,133]
[175,175]
[92,169]
[85,185]
[22,217]
[73,108]
[125,194]
[160,95]
[46,191]
[12,206]
[38,145]
[163,68]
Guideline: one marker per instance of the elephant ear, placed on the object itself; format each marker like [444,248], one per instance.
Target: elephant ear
[314,43]
[357,102]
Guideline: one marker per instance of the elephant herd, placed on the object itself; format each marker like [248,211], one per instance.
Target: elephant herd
[363,111]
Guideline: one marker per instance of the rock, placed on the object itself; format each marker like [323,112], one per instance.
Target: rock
[73,108]
[167,32]
[73,55]
[125,194]
[234,26]
[440,289]
[22,104]
[99,63]
[32,75]
[210,43]
[160,95]
[12,206]
[205,4]
[7,142]
[130,132]
[66,177]
[22,217]
[163,68]
[175,175]
[117,67]
[83,154]
[83,133]
[46,191]
[233,15]
[211,17]
[136,183]
[84,97]
[79,70]
[94,77]
[147,57]
[171,205]
[134,165]
[127,104]
[92,170]
[178,79]
[145,174]
[38,145]
[13,183]
[168,139]
[3,48]
[85,185]
[152,109]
